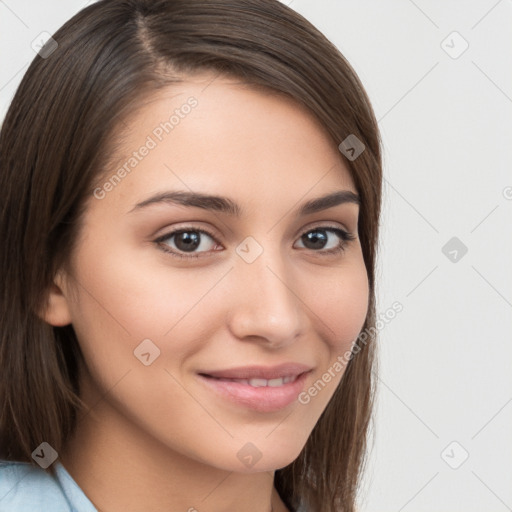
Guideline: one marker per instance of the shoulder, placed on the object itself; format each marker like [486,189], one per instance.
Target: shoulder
[25,488]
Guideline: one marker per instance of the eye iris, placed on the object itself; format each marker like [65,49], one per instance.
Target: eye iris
[187,240]
[318,238]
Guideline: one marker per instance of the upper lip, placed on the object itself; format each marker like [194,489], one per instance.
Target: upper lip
[260,372]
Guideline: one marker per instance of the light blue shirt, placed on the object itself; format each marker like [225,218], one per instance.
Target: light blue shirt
[25,488]
[28,488]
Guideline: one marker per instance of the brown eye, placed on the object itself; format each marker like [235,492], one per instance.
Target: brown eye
[317,239]
[186,240]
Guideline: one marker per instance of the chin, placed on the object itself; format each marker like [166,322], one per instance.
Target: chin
[272,457]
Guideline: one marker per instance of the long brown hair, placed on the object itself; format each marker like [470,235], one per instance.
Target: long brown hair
[53,147]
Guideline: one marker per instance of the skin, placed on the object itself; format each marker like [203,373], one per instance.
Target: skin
[157,427]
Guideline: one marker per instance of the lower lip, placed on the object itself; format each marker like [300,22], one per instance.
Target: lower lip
[261,399]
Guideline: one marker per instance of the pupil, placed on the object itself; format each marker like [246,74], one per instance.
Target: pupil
[187,241]
[317,238]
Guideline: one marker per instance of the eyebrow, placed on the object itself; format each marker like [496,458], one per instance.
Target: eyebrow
[228,206]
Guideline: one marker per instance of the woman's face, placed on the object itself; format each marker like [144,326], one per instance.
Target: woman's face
[153,310]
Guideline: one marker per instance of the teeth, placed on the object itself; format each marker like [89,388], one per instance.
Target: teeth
[258,383]
[275,382]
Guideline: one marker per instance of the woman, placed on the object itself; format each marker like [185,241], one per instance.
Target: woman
[191,195]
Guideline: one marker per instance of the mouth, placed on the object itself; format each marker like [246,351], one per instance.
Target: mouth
[259,394]
[269,373]
[258,382]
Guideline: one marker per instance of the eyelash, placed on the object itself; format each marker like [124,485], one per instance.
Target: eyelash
[345,236]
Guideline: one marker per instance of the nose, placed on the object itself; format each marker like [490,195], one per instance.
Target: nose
[264,303]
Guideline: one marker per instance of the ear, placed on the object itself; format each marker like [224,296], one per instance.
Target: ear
[57,311]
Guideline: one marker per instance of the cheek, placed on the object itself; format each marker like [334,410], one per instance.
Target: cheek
[341,305]
[131,288]
[124,300]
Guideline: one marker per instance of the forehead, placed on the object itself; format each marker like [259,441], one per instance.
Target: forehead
[221,136]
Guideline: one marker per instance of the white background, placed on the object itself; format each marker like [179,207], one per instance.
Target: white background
[446,359]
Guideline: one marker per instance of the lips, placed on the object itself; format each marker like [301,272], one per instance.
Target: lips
[264,389]
[258,374]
